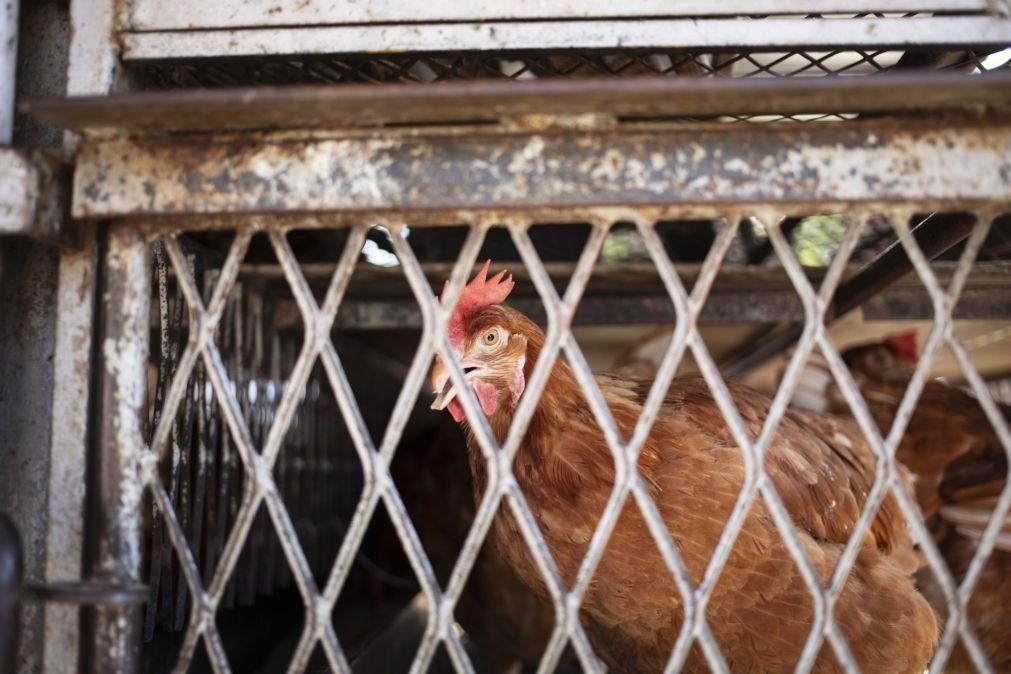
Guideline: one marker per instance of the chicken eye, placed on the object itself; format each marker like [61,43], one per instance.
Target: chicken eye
[882,359]
[490,337]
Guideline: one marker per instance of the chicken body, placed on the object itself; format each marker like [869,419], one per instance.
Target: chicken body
[961,469]
[947,424]
[761,610]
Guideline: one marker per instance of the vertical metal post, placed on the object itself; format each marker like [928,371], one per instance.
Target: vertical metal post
[116,485]
[75,298]
[8,67]
[11,569]
[91,69]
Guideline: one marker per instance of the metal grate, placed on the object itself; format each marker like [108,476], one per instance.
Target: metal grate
[261,460]
[568,64]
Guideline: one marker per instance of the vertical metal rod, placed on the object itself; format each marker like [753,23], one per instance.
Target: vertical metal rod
[8,67]
[72,397]
[157,537]
[116,483]
[11,570]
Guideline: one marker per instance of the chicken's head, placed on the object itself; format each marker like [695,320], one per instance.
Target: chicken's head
[890,361]
[491,352]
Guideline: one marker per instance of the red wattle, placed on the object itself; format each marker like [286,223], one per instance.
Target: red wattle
[487,395]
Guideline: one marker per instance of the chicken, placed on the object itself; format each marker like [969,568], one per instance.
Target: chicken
[947,423]
[961,468]
[760,610]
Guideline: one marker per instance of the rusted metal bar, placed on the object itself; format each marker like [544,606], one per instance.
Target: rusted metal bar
[715,165]
[740,295]
[114,528]
[159,543]
[72,397]
[452,102]
[88,592]
[11,570]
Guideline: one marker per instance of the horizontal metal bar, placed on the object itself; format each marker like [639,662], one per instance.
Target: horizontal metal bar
[367,105]
[89,592]
[955,165]
[150,15]
[635,300]
[639,33]
[33,189]
[756,308]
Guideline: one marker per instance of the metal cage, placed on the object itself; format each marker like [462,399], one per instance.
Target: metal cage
[233,456]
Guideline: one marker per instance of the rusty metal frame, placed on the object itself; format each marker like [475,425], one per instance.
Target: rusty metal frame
[91,70]
[117,468]
[539,151]
[156,188]
[704,165]
[522,104]
[316,37]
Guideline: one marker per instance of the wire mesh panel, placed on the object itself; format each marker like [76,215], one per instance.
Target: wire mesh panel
[558,64]
[262,459]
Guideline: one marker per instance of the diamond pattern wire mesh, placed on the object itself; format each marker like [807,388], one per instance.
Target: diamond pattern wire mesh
[260,485]
[567,64]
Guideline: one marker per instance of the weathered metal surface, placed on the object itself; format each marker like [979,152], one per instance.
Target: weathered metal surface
[33,193]
[28,373]
[954,164]
[591,34]
[530,102]
[75,298]
[26,379]
[117,478]
[42,68]
[92,59]
[88,593]
[151,15]
[88,66]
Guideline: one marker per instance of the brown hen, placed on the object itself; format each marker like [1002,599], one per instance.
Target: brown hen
[960,468]
[760,611]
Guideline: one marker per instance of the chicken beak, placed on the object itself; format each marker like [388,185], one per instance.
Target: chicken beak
[443,387]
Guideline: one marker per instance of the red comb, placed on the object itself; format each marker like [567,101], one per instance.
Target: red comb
[481,292]
[903,345]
